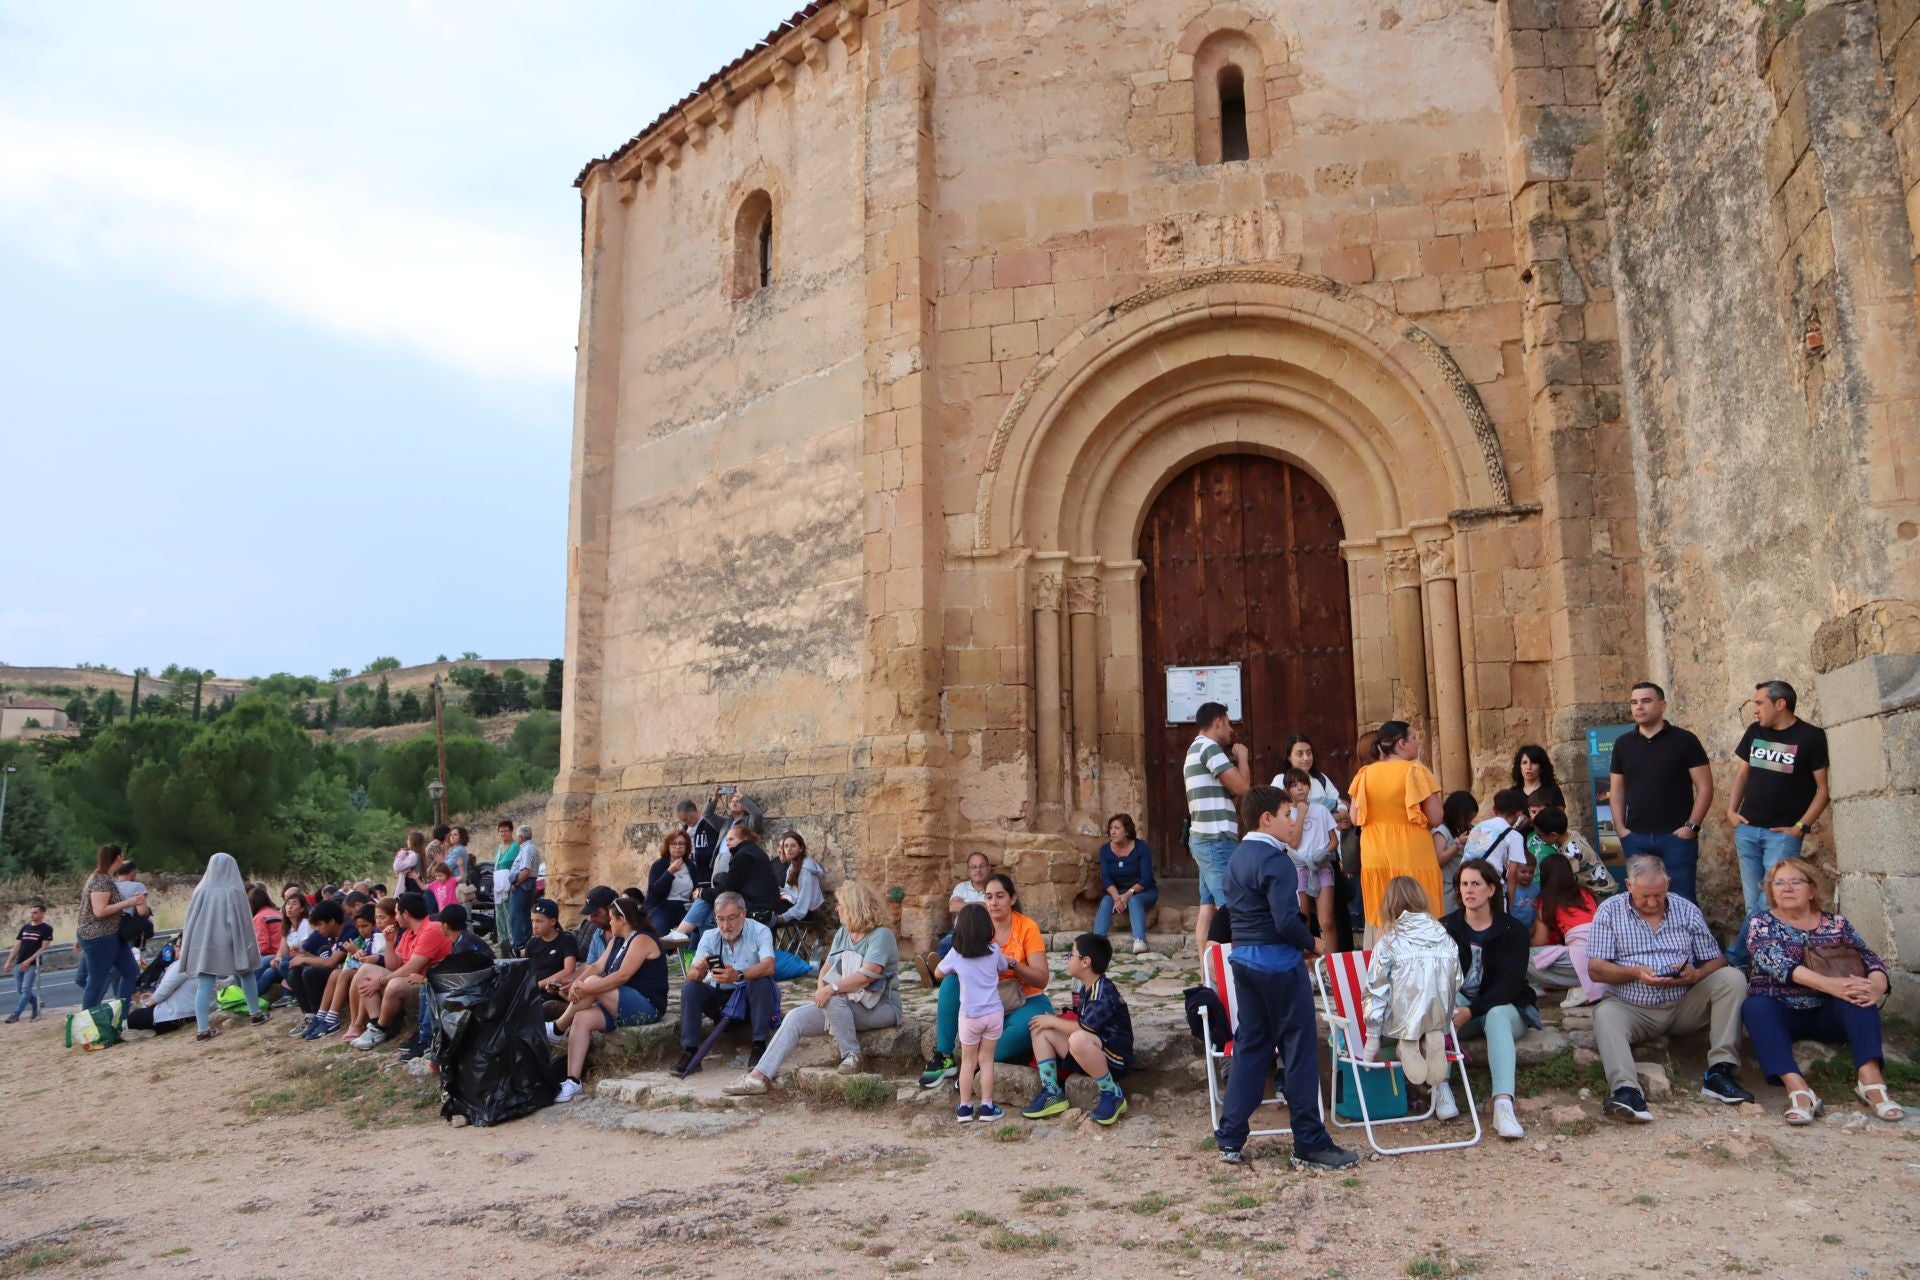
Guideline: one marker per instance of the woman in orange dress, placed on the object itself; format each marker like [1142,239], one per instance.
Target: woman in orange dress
[1396,805]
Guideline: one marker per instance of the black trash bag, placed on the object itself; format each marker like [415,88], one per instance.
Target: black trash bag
[489,1040]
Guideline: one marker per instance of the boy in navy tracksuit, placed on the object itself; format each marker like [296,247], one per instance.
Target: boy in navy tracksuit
[1098,1038]
[1271,989]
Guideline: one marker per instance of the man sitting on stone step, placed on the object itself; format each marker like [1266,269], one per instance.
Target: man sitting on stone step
[736,953]
[1666,975]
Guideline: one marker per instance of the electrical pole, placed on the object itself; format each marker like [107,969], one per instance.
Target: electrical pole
[6,776]
[440,732]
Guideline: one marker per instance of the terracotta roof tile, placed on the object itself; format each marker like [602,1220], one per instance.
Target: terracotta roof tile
[771,37]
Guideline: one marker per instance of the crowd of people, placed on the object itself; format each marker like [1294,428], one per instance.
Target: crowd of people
[1470,918]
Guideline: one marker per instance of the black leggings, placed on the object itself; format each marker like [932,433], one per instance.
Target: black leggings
[142,1020]
[309,984]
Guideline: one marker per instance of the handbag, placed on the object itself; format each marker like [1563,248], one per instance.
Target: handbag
[1012,994]
[1835,960]
[845,965]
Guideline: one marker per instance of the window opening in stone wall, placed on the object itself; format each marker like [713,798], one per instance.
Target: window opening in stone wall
[751,266]
[1233,115]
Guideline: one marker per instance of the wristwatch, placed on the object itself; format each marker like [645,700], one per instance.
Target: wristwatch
[1693,827]
[1804,828]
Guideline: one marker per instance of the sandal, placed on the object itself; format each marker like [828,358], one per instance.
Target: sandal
[1886,1108]
[1797,1114]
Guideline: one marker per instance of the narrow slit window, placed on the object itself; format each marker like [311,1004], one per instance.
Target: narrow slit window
[765,250]
[1233,115]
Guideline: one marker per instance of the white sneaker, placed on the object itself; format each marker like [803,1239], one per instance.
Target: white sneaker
[1504,1122]
[1574,998]
[676,937]
[1139,946]
[569,1090]
[554,1037]
[850,1065]
[747,1086]
[1444,1107]
[372,1038]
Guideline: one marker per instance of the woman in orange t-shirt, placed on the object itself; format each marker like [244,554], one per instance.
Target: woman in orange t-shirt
[1396,805]
[1021,942]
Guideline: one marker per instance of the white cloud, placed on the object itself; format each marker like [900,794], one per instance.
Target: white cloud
[482,297]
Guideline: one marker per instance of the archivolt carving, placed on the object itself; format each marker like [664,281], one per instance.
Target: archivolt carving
[1476,413]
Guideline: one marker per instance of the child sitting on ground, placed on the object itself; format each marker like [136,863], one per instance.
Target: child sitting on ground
[976,960]
[1561,917]
[1314,856]
[1412,981]
[1097,1037]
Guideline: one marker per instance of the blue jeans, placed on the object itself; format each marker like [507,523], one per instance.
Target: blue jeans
[1681,857]
[203,997]
[1773,1025]
[1136,912]
[106,957]
[1210,855]
[1276,1011]
[698,920]
[635,1010]
[1501,1025]
[520,915]
[1759,849]
[27,983]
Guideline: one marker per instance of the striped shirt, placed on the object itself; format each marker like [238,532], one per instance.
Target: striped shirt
[1209,807]
[1619,935]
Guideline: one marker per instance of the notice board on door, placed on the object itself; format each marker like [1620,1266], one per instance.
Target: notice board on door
[1188,688]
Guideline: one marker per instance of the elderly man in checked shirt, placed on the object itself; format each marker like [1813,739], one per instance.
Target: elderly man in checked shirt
[1667,975]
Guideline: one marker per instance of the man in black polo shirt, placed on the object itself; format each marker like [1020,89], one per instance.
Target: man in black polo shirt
[1660,789]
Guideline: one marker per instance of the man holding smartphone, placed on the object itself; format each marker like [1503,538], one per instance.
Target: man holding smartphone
[1666,976]
[736,952]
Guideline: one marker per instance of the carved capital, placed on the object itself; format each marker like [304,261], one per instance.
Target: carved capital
[1403,568]
[1083,595]
[1436,558]
[1046,592]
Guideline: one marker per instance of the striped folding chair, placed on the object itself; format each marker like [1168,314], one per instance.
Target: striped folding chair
[1215,975]
[1342,978]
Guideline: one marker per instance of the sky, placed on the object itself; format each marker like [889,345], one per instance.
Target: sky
[288,302]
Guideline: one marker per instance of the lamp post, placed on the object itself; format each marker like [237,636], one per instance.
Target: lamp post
[440,733]
[6,776]
[438,790]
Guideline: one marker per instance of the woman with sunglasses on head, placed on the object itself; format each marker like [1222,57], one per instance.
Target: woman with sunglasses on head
[1813,978]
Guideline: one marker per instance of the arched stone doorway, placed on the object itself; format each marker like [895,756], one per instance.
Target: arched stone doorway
[1240,563]
[1244,361]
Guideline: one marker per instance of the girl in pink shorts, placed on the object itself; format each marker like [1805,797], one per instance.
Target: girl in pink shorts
[977,962]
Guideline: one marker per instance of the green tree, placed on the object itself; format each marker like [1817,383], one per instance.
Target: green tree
[479,775]
[77,709]
[339,673]
[469,656]
[408,710]
[515,692]
[223,791]
[107,706]
[536,742]
[333,709]
[381,664]
[37,837]
[551,687]
[382,705]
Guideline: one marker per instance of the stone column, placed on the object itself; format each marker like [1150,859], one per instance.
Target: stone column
[1049,739]
[1455,764]
[1872,711]
[1409,632]
[1083,610]
[568,839]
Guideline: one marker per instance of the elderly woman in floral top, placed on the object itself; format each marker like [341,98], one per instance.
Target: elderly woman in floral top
[1788,1001]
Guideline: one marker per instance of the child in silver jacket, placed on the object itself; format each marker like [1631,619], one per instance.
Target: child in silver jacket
[1412,981]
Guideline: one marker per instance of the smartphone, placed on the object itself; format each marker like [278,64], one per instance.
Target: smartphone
[727,791]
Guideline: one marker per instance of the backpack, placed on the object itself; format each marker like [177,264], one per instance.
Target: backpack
[1204,997]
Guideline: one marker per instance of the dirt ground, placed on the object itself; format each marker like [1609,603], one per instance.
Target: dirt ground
[224,1159]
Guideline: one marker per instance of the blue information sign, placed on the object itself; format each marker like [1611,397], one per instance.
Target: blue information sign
[1600,740]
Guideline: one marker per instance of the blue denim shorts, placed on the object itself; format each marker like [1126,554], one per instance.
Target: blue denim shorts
[635,1010]
[1211,855]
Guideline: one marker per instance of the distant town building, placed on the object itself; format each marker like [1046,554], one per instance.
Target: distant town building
[22,717]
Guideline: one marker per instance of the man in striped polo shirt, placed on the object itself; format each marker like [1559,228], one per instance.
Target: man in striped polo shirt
[1215,781]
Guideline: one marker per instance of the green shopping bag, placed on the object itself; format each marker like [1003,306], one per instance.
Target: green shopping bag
[98,1027]
[231,999]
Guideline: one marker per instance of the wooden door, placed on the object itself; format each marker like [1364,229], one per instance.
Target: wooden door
[1242,564]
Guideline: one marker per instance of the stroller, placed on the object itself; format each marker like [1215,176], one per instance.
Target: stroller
[480,910]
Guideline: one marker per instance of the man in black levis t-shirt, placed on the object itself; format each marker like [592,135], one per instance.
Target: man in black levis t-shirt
[1660,789]
[1779,787]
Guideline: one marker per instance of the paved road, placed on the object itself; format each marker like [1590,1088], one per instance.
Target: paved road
[58,990]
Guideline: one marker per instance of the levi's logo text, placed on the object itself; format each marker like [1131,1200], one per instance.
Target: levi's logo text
[1775,757]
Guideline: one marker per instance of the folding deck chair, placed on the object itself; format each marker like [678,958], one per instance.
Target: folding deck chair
[1342,978]
[1215,975]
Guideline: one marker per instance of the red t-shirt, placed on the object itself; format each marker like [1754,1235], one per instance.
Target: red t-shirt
[426,939]
[1570,918]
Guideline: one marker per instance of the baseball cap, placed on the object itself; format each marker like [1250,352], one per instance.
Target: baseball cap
[453,915]
[599,898]
[547,907]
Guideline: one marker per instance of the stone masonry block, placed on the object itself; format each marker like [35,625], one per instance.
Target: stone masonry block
[1860,900]
[1861,746]
[1875,684]
[1903,920]
[1873,835]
